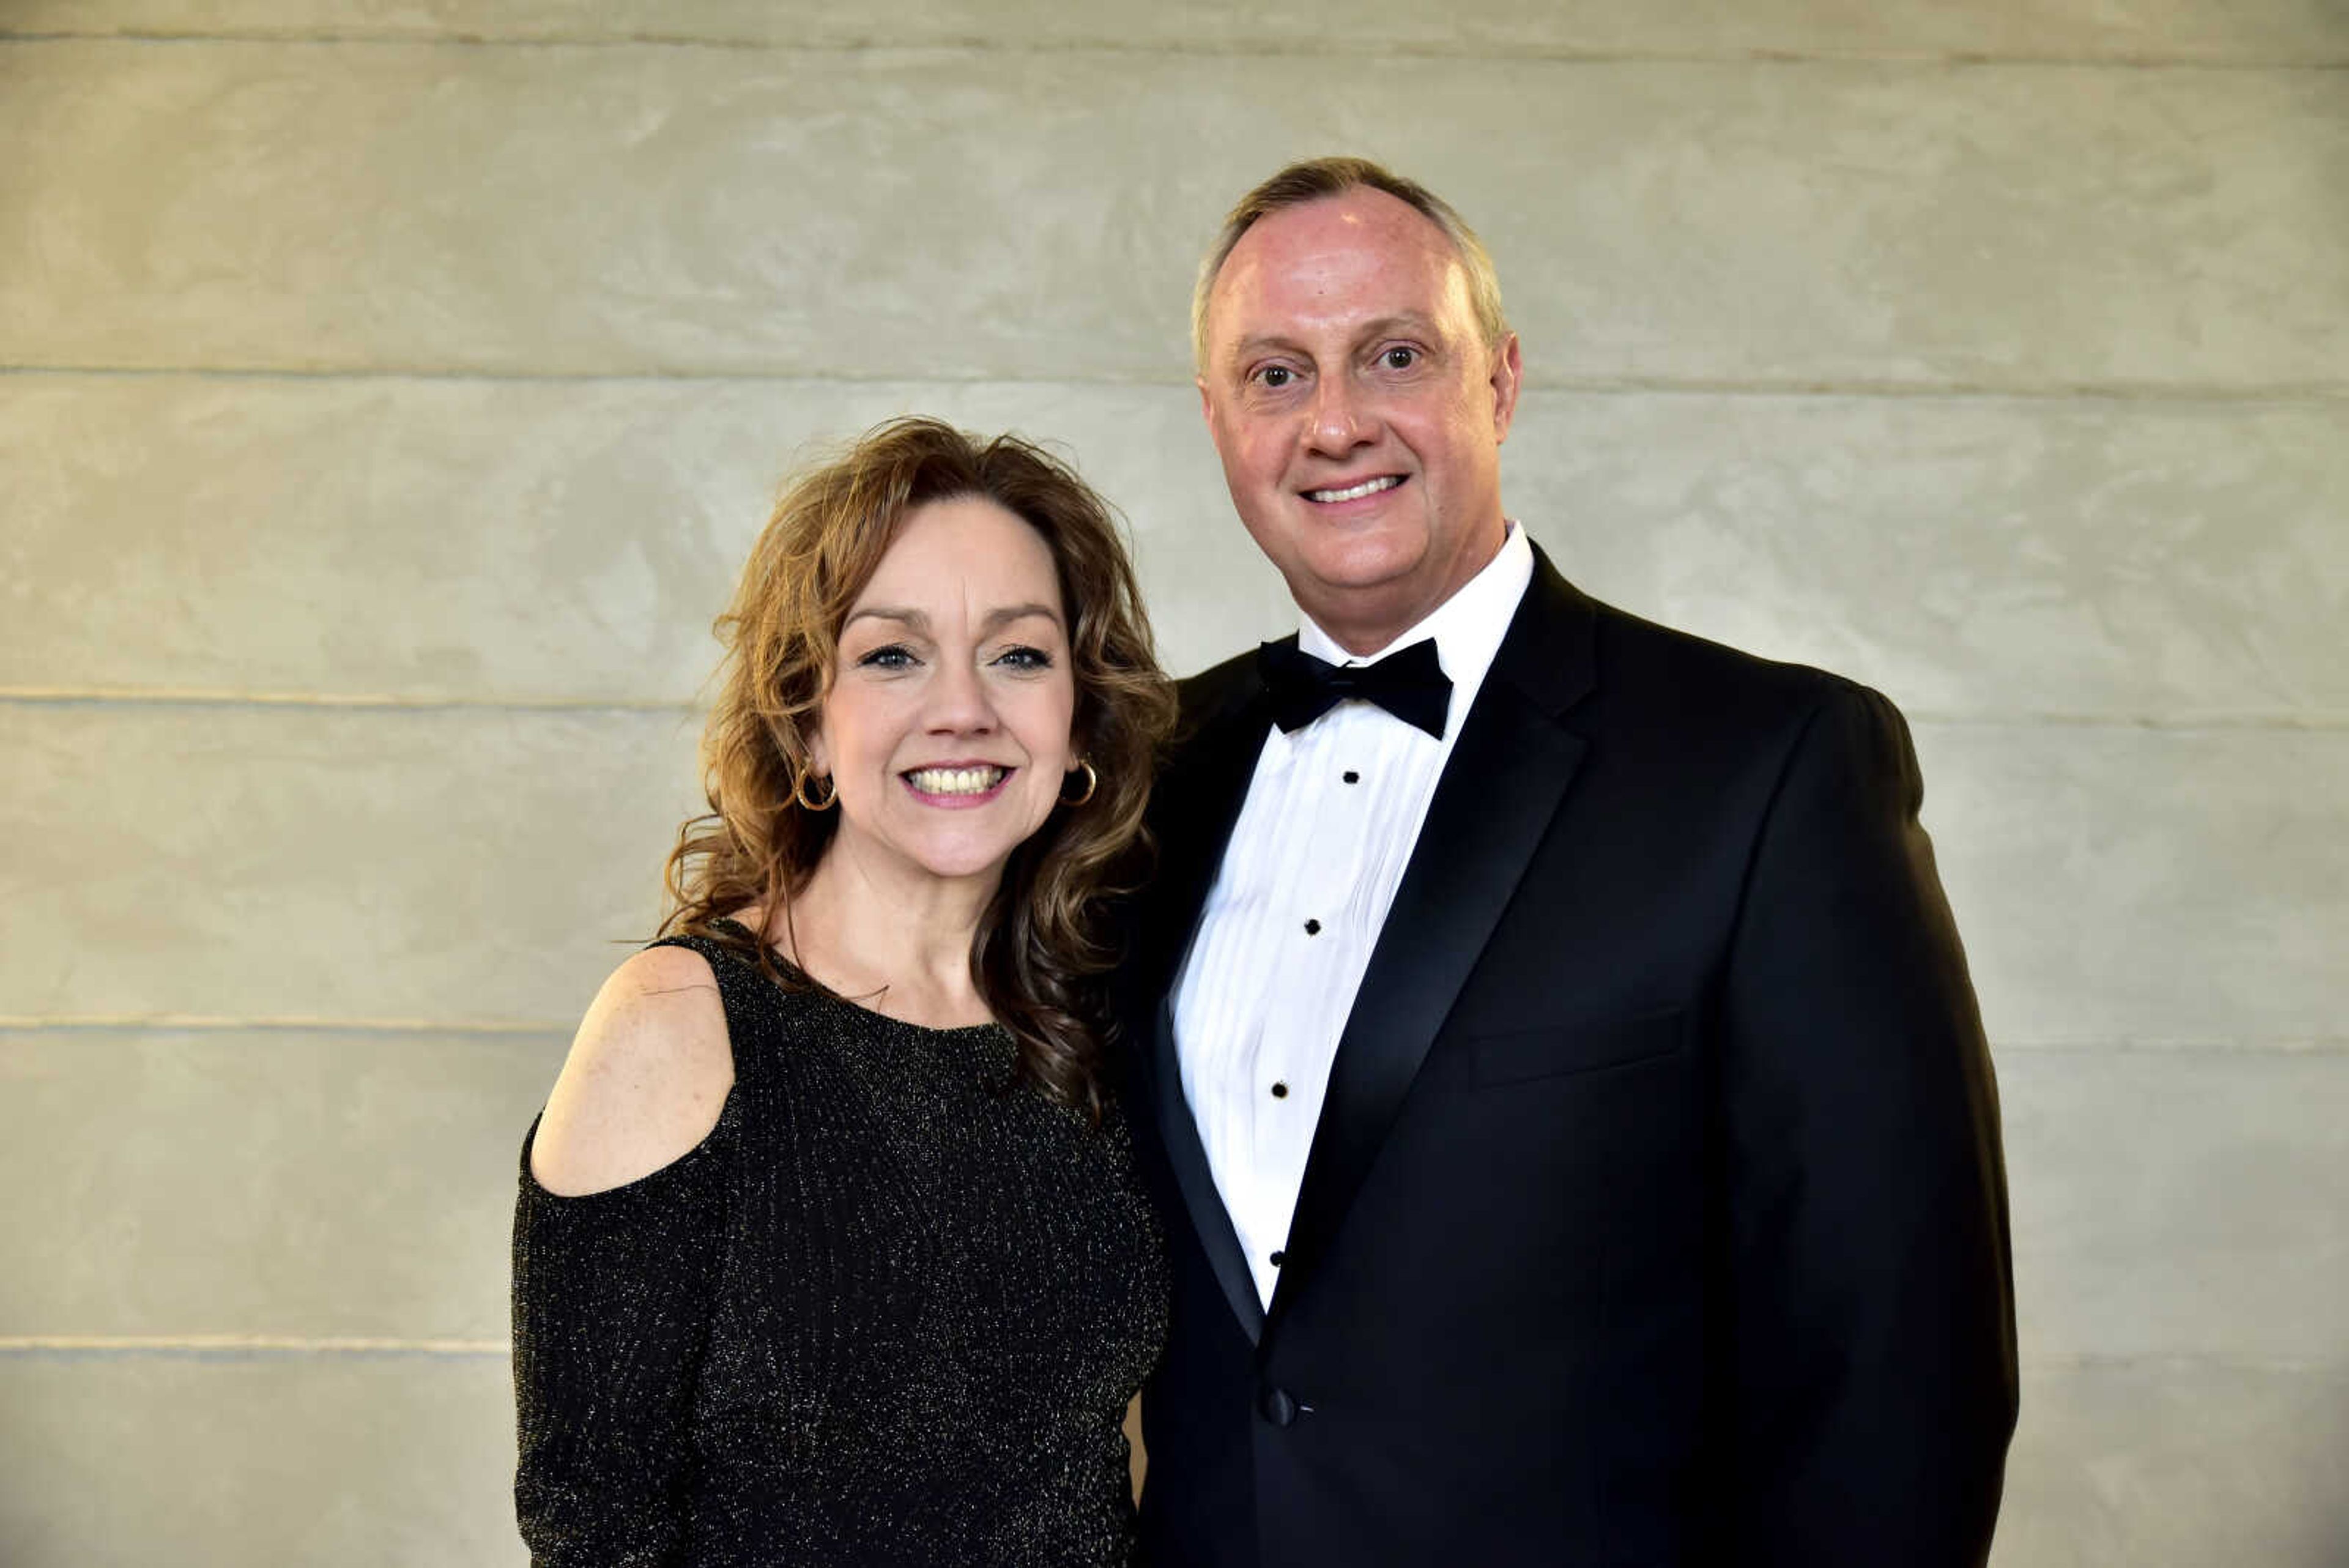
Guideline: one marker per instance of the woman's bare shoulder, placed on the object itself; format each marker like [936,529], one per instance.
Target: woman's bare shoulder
[647,1075]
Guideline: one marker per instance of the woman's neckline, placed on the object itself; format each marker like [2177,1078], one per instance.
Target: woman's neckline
[818,988]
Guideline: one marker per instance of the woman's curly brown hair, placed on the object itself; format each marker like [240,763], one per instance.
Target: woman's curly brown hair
[1039,943]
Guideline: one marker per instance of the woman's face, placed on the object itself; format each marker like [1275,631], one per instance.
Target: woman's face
[946,727]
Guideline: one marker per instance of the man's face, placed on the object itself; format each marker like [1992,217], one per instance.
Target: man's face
[1357,410]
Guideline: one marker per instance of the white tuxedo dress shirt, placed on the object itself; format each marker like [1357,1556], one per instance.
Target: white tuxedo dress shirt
[1332,813]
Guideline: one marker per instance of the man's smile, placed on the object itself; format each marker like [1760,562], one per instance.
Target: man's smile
[1355,492]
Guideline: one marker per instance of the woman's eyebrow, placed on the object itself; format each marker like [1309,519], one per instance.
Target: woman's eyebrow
[1010,613]
[919,620]
[916,619]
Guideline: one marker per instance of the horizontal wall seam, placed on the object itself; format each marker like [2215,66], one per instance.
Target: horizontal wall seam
[2179,1361]
[273,1347]
[2313,720]
[2279,719]
[2217,394]
[1465,52]
[204,697]
[2006,1047]
[273,1023]
[2301,1045]
[245,1346]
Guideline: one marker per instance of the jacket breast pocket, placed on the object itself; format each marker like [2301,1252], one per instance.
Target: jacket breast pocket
[1526,1056]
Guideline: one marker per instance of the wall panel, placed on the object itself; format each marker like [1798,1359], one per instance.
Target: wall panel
[306,1183]
[2118,884]
[496,539]
[895,214]
[441,865]
[2114,883]
[1987,557]
[2178,1463]
[387,1461]
[288,1183]
[2258,31]
[2170,1204]
[563,540]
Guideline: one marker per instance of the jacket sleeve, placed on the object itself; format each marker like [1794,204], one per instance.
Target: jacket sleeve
[612,1298]
[1869,1335]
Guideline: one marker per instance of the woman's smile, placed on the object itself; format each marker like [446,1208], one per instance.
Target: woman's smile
[958,785]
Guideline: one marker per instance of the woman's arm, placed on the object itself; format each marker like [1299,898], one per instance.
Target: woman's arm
[618,1240]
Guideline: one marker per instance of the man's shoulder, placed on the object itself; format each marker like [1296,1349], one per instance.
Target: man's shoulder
[1647,688]
[1633,647]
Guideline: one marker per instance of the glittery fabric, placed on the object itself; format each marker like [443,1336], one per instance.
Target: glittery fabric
[890,1312]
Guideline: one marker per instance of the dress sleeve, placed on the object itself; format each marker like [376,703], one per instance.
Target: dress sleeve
[612,1300]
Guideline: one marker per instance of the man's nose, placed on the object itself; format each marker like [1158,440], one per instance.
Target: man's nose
[1339,419]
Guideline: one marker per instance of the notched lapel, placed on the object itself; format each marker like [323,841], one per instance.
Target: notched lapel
[1500,790]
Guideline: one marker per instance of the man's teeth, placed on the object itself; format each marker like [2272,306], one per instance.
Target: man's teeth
[1355,492]
[954,781]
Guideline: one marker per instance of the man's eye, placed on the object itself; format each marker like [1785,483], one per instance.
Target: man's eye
[1398,358]
[888,656]
[1275,376]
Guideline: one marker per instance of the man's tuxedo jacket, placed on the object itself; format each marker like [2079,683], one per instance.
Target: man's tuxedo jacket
[1656,1213]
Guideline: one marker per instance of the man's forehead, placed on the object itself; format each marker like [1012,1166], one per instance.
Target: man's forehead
[1336,260]
[1358,220]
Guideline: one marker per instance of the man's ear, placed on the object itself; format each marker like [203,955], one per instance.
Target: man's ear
[1206,405]
[1508,375]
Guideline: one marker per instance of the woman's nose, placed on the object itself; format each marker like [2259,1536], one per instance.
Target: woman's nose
[959,702]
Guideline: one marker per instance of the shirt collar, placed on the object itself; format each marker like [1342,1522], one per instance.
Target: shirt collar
[1467,627]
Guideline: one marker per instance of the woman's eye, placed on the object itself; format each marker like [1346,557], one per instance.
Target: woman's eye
[1025,658]
[889,656]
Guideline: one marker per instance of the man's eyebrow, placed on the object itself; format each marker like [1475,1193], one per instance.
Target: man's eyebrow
[1400,321]
[1258,342]
[1410,321]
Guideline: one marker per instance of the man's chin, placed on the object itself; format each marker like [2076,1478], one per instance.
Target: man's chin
[1374,569]
[1365,615]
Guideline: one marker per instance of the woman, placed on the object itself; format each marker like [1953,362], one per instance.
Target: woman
[829,1249]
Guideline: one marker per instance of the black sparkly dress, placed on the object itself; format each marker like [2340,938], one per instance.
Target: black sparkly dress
[890,1311]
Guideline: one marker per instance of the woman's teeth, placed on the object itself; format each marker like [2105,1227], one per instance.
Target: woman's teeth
[954,781]
[1355,492]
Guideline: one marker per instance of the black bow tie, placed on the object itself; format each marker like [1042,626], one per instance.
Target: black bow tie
[1410,683]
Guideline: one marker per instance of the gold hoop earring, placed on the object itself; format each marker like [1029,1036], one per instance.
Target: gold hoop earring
[800,791]
[1093,783]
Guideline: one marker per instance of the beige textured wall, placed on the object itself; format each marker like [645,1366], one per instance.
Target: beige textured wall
[388,392]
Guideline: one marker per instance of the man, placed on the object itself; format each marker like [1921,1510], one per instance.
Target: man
[1575,1126]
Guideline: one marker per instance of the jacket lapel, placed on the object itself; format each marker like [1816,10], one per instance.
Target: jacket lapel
[1500,789]
[1213,776]
[1178,1134]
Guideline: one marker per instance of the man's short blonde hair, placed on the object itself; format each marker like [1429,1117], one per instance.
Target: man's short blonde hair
[1317,179]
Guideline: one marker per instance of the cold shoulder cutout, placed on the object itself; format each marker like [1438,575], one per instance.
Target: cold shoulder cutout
[646,1080]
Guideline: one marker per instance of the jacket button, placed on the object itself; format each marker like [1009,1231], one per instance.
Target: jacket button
[1277,1406]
